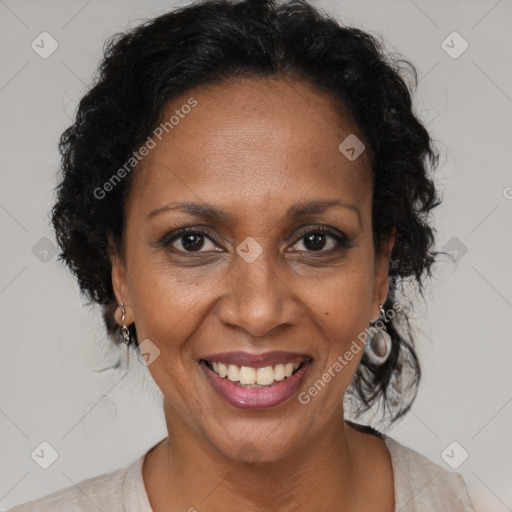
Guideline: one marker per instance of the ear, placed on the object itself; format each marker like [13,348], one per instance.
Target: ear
[120,283]
[381,277]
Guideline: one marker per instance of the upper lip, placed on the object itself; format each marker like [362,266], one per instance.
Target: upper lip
[257,360]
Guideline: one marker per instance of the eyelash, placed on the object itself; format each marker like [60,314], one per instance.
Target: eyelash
[342,242]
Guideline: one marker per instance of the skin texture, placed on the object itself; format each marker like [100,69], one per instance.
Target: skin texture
[254,148]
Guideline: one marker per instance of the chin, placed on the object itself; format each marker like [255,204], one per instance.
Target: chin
[257,443]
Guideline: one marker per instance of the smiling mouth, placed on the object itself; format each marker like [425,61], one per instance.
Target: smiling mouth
[252,377]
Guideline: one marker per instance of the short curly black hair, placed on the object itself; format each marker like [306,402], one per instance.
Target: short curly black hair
[214,40]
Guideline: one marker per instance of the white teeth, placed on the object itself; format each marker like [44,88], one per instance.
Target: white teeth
[279,372]
[233,372]
[264,376]
[223,369]
[254,377]
[247,375]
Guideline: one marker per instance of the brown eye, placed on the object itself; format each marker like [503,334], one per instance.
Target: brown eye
[315,241]
[190,241]
[321,240]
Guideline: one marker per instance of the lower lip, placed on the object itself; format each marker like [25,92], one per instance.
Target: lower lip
[255,398]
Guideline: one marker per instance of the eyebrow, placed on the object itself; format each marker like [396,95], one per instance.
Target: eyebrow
[297,210]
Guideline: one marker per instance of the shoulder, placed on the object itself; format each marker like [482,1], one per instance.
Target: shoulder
[421,485]
[103,492]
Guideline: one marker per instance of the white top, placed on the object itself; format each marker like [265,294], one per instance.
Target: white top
[420,486]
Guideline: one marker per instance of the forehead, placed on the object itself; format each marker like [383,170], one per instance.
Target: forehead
[251,142]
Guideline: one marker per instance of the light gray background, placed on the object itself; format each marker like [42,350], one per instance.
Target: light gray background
[98,422]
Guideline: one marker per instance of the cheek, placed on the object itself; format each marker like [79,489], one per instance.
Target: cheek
[343,307]
[168,300]
[169,306]
[343,300]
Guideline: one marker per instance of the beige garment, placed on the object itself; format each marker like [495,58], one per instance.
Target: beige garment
[420,486]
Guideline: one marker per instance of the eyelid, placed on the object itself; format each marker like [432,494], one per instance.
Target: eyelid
[322,229]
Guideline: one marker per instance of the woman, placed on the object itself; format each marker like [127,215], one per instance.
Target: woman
[244,190]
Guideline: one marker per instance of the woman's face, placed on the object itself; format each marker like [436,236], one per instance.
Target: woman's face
[280,267]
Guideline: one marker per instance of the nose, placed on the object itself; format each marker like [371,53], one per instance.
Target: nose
[258,300]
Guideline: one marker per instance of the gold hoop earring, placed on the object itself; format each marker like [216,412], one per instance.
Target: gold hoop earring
[125,335]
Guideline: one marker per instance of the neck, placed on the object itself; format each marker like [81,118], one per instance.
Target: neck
[190,473]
